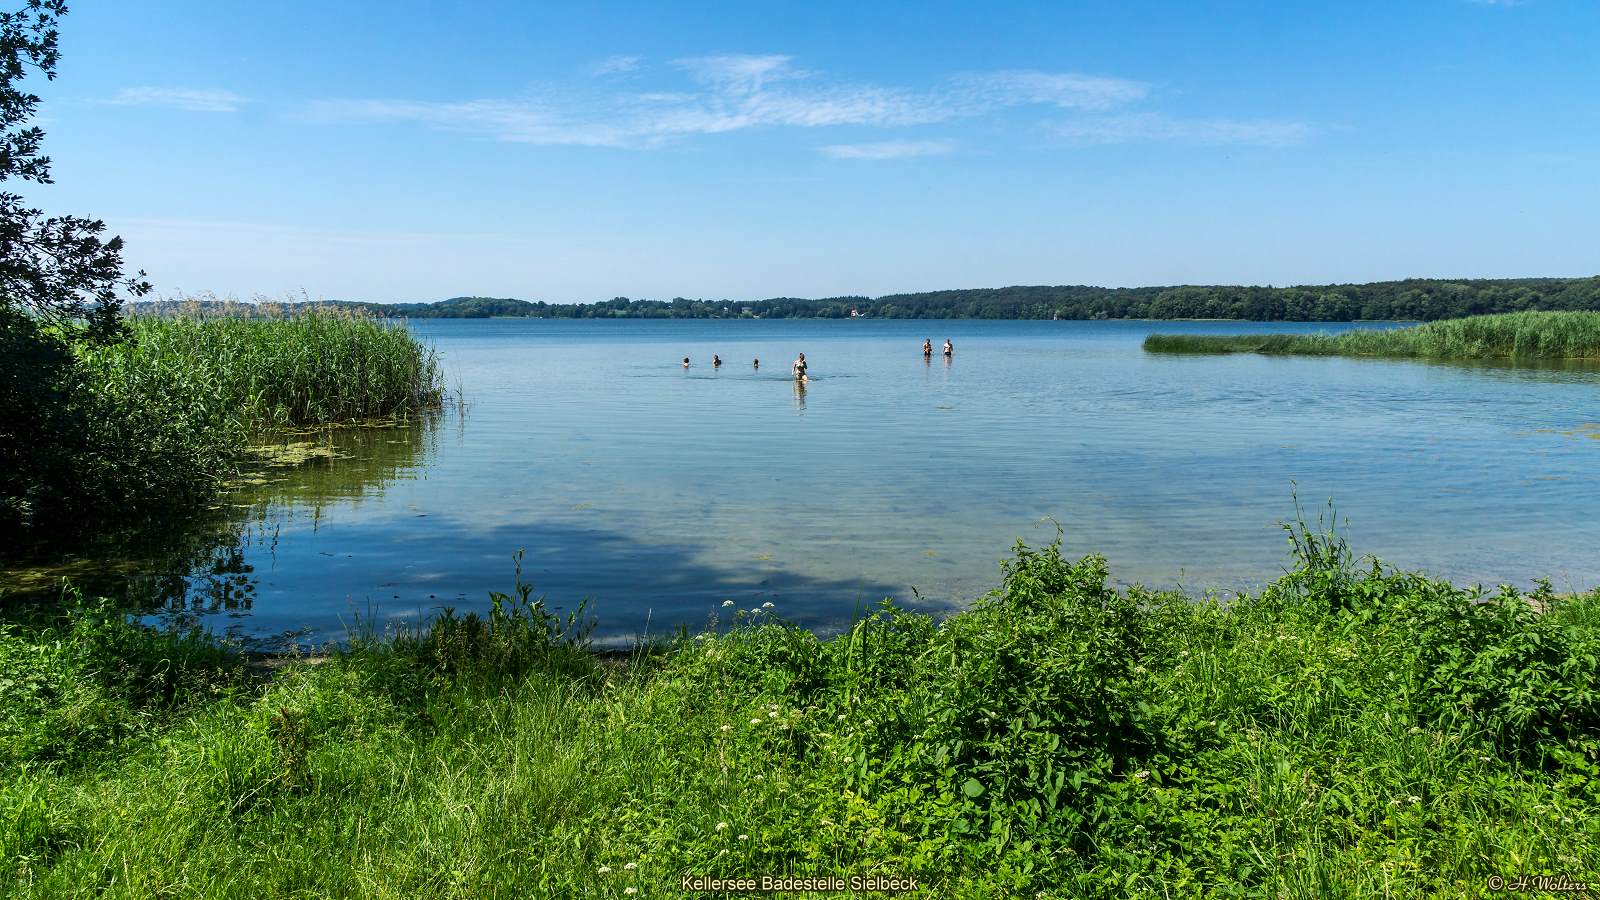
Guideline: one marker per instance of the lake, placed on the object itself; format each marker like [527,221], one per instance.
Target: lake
[658,492]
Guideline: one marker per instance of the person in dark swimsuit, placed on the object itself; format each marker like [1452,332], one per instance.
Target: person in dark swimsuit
[927,346]
[686,362]
[949,348]
[800,368]
[716,361]
[755,363]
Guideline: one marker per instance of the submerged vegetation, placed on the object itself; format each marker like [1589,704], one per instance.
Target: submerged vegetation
[1348,732]
[1524,335]
[156,420]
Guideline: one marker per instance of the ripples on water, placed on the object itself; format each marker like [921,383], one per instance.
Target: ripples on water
[658,492]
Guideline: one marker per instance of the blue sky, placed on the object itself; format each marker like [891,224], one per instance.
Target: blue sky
[415,151]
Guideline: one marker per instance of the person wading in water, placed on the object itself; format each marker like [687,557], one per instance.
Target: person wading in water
[927,347]
[800,368]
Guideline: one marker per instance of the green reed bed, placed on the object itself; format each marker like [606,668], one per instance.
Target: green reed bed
[154,423]
[1522,335]
[1348,732]
[308,369]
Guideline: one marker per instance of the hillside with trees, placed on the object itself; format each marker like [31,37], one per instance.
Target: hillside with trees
[1417,299]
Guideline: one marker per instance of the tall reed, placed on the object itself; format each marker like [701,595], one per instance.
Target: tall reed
[118,434]
[308,369]
[1521,335]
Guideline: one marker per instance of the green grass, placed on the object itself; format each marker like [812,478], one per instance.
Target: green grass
[1522,335]
[1348,732]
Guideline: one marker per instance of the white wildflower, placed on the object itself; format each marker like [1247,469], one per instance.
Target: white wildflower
[771,714]
[744,837]
[722,852]
[726,728]
[605,870]
[755,721]
[631,866]
[631,890]
[727,603]
[849,759]
[1142,774]
[1414,798]
[767,605]
[722,826]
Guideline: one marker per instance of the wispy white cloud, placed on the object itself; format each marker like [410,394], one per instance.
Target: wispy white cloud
[1064,89]
[615,65]
[190,99]
[737,92]
[889,149]
[1141,128]
[530,122]
[730,93]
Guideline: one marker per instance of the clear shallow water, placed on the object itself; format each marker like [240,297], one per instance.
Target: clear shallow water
[658,492]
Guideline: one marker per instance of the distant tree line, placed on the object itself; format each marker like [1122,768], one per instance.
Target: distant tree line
[1415,299]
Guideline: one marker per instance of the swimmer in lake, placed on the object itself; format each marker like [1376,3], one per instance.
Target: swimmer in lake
[686,362]
[755,363]
[799,368]
[927,346]
[716,361]
[949,348]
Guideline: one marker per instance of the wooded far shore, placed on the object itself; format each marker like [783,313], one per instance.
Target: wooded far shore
[1416,300]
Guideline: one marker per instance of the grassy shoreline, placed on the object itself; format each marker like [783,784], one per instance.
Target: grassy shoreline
[1523,335]
[1350,731]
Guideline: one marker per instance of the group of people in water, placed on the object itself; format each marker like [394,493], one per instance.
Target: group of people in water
[798,367]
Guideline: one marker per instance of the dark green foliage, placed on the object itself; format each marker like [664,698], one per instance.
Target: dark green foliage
[73,458]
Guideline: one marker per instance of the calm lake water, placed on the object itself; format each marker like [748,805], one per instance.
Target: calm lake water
[658,492]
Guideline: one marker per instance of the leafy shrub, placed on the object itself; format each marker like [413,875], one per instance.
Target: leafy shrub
[76,687]
[519,635]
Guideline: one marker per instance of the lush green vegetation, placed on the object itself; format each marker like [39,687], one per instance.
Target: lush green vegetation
[1418,299]
[314,368]
[1525,335]
[120,431]
[1349,732]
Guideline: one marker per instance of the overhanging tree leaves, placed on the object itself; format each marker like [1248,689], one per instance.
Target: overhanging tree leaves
[56,267]
[68,456]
